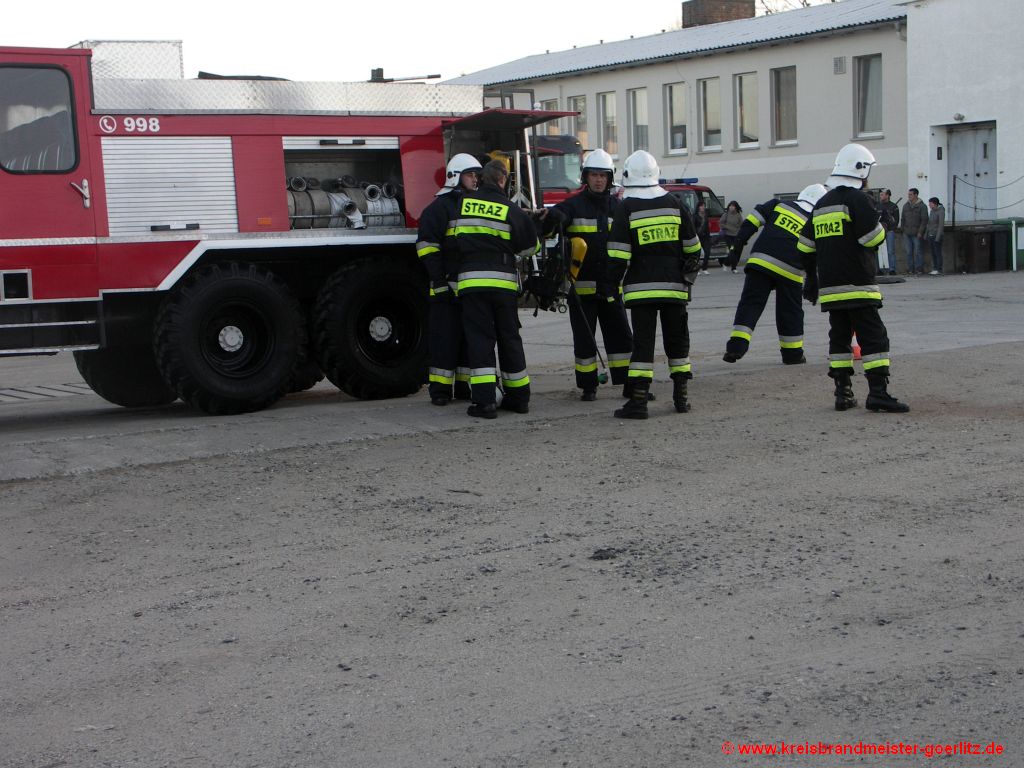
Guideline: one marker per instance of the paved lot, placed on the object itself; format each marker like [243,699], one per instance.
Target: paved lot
[333,582]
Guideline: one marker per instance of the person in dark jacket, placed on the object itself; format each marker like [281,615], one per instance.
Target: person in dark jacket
[492,235]
[774,264]
[838,243]
[729,227]
[588,215]
[654,251]
[914,224]
[436,251]
[703,227]
[936,228]
[889,218]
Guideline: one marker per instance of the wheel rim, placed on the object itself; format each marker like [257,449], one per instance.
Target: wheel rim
[237,339]
[387,330]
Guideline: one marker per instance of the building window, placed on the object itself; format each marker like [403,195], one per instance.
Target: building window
[578,124]
[868,107]
[784,105]
[746,109]
[639,127]
[606,123]
[675,100]
[550,128]
[710,114]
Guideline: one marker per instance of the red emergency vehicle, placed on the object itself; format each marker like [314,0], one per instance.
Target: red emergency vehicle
[222,241]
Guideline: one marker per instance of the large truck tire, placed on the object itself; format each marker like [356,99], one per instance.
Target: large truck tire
[229,339]
[370,332]
[307,376]
[125,376]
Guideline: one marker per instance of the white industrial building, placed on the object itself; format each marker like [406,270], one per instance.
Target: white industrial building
[757,106]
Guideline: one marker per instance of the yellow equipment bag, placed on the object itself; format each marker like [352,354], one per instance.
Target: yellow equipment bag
[578,252]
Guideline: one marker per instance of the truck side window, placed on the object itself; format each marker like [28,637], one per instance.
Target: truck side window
[36,130]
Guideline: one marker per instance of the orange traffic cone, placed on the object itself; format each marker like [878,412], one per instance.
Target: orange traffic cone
[855,347]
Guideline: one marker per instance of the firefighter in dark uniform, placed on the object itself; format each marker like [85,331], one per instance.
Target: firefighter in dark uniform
[435,248]
[588,215]
[839,244]
[774,264]
[492,235]
[654,251]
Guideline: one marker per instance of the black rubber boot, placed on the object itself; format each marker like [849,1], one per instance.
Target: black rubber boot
[879,398]
[636,406]
[679,394]
[589,395]
[844,392]
[627,392]
[483,410]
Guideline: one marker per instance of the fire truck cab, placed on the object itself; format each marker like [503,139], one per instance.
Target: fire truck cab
[224,241]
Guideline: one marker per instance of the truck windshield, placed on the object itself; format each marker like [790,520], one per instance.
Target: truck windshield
[36,134]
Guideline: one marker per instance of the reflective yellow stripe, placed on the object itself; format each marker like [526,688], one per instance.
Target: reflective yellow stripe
[507,285]
[685,368]
[791,344]
[849,296]
[739,335]
[652,220]
[468,230]
[589,368]
[580,291]
[427,251]
[489,378]
[615,254]
[840,364]
[656,295]
[582,228]
[877,239]
[438,379]
[776,269]
[635,374]
[618,363]
[876,364]
[513,383]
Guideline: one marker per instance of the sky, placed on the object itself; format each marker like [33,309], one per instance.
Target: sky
[341,41]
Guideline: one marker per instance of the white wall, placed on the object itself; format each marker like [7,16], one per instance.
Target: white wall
[825,113]
[965,58]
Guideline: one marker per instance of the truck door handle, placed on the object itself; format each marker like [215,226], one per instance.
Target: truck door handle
[84,192]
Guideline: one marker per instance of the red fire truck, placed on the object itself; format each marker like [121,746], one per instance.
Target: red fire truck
[223,241]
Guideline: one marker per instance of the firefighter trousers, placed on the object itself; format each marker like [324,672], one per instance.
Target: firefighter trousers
[446,350]
[489,318]
[675,334]
[789,314]
[871,336]
[584,316]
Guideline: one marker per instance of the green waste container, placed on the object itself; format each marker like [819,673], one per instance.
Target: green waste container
[1014,232]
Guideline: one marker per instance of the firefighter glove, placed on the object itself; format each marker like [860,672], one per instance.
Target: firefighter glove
[811,292]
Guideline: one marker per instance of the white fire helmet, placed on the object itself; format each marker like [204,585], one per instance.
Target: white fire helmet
[853,164]
[457,166]
[810,196]
[598,160]
[640,170]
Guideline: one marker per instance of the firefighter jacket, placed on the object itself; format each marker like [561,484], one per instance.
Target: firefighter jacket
[491,234]
[838,243]
[775,227]
[652,247]
[435,246]
[588,215]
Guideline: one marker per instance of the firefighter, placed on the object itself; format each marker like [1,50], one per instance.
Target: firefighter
[654,250]
[839,244]
[445,340]
[491,236]
[775,264]
[592,299]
